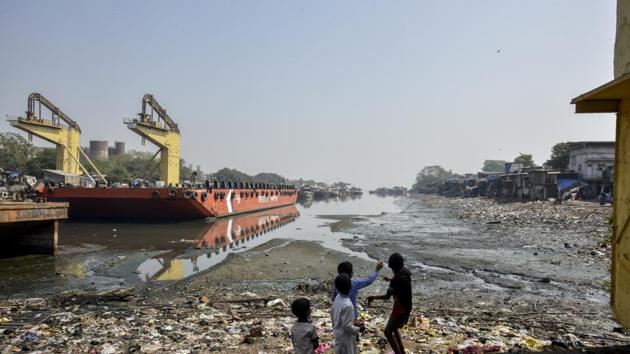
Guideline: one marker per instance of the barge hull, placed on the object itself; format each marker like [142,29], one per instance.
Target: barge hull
[166,204]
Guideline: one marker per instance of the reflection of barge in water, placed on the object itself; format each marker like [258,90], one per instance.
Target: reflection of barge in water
[218,240]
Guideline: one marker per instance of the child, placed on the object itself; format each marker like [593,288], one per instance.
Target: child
[303,333]
[357,283]
[342,313]
[400,287]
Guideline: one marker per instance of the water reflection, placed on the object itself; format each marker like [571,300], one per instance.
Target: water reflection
[215,242]
[308,202]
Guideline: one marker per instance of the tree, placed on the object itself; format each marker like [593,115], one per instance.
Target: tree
[186,171]
[525,159]
[431,174]
[494,166]
[129,166]
[268,177]
[44,158]
[232,175]
[559,156]
[15,152]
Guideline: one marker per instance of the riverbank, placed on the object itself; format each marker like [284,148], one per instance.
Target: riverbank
[502,276]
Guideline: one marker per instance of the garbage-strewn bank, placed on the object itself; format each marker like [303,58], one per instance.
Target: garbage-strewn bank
[486,277]
[537,266]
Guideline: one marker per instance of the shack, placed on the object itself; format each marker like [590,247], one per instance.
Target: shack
[594,162]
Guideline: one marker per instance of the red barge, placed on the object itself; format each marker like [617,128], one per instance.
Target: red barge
[176,201]
[166,204]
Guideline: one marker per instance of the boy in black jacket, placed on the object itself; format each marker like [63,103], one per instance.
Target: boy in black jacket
[400,287]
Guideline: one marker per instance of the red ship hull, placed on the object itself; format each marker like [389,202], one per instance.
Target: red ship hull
[166,204]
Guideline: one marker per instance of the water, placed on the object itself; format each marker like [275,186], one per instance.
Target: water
[109,254]
[306,225]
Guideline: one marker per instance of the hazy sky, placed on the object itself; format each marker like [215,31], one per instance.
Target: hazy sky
[367,92]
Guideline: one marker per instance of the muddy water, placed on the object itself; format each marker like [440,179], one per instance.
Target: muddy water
[98,256]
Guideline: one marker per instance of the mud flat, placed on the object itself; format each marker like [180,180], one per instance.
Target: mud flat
[279,265]
[475,256]
[486,276]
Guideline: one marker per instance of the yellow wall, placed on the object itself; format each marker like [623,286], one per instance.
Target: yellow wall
[620,292]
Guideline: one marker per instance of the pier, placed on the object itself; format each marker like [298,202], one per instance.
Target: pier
[30,228]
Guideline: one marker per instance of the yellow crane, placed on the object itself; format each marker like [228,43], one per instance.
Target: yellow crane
[60,130]
[162,132]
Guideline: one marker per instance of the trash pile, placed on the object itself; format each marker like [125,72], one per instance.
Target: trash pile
[243,323]
[225,316]
[587,222]
[567,215]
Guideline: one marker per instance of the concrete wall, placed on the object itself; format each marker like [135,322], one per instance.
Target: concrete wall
[590,161]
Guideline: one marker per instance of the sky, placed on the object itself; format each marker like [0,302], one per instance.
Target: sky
[366,92]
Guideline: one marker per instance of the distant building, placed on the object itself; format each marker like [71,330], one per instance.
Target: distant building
[592,160]
[514,167]
[100,150]
[117,149]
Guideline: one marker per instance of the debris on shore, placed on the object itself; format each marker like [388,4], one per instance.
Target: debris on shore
[569,214]
[250,323]
[465,307]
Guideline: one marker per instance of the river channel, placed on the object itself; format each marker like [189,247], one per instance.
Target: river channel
[95,256]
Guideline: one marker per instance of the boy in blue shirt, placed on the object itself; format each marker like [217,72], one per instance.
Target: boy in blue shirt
[341,314]
[357,283]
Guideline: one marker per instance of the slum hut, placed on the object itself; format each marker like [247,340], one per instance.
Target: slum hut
[593,161]
[566,181]
[544,183]
[522,186]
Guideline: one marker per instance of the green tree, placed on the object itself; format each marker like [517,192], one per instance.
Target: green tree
[431,174]
[525,159]
[186,171]
[231,175]
[129,166]
[559,156]
[44,158]
[493,166]
[268,177]
[15,152]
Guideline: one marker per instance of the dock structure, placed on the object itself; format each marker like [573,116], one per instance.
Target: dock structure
[30,228]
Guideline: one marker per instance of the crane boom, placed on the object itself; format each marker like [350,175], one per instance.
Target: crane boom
[65,137]
[156,107]
[38,98]
[165,136]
